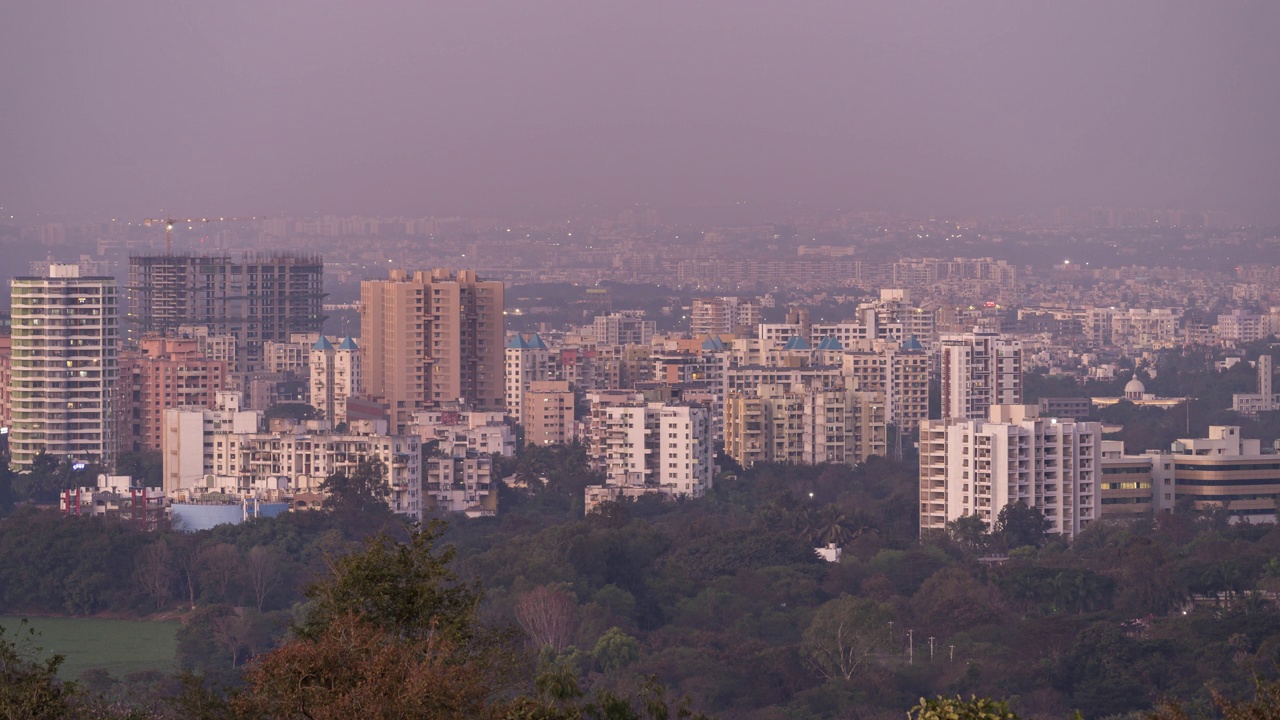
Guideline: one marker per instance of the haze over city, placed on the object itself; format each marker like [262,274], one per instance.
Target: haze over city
[577,360]
[512,108]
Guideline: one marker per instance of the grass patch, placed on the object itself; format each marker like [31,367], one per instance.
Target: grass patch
[121,647]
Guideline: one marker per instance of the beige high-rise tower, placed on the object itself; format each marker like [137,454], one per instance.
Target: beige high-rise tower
[432,338]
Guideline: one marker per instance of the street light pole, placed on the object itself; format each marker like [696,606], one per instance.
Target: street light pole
[911,648]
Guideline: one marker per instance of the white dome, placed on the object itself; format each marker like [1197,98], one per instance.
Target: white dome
[1134,386]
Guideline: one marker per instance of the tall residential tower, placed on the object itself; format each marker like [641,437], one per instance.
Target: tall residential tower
[430,339]
[66,338]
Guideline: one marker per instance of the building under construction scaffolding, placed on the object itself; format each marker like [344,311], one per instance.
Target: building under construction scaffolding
[255,298]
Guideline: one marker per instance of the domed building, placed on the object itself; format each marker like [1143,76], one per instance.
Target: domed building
[1136,392]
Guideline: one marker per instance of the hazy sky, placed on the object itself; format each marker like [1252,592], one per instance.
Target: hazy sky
[442,106]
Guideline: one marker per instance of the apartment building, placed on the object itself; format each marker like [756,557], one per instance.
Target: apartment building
[163,373]
[977,467]
[527,361]
[256,298]
[460,481]
[979,370]
[432,338]
[65,349]
[336,375]
[776,423]
[653,448]
[549,413]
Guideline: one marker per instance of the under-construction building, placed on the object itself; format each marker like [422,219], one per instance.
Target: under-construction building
[255,298]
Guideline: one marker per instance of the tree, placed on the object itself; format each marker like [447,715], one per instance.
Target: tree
[548,615]
[615,650]
[189,558]
[364,490]
[220,564]
[390,632]
[407,589]
[1019,526]
[356,670]
[843,635]
[957,708]
[153,572]
[263,568]
[970,533]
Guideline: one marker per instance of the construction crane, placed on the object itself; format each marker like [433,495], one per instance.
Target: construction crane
[170,220]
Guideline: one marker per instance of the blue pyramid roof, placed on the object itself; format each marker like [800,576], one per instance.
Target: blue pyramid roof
[517,343]
[536,343]
[713,343]
[912,343]
[797,343]
[322,344]
[348,343]
[830,342]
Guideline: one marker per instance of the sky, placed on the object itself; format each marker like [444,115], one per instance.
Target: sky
[418,107]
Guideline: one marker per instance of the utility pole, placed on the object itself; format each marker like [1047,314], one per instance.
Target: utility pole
[930,648]
[911,648]
[953,653]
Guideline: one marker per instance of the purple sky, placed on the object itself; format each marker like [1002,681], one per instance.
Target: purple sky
[432,106]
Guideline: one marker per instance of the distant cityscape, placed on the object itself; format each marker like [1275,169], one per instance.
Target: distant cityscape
[258,373]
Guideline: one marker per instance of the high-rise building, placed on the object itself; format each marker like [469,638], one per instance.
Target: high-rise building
[6,380]
[724,315]
[652,448]
[255,298]
[626,327]
[978,467]
[432,338]
[65,352]
[163,373]
[776,423]
[898,370]
[979,369]
[527,361]
[335,377]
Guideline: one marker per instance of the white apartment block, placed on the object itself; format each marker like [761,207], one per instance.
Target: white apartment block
[526,362]
[186,438]
[660,448]
[305,460]
[1265,399]
[1239,327]
[1143,328]
[460,481]
[979,370]
[480,431]
[723,315]
[627,327]
[335,376]
[66,338]
[977,467]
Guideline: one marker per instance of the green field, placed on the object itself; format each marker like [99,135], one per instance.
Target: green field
[120,646]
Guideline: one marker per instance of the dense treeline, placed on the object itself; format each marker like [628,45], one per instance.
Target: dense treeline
[722,599]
